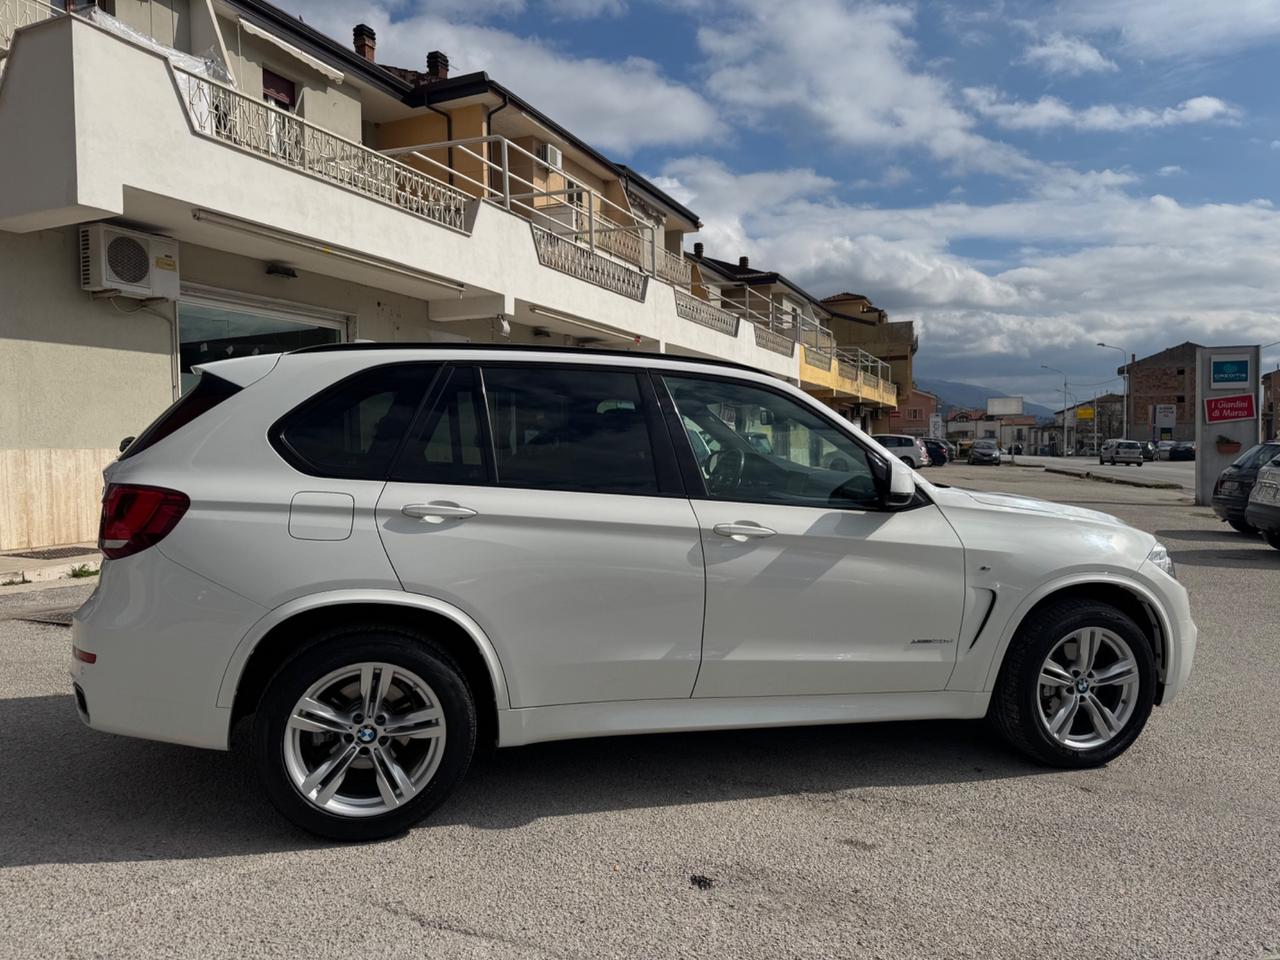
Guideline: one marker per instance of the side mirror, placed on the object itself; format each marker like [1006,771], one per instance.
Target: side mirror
[124,444]
[902,485]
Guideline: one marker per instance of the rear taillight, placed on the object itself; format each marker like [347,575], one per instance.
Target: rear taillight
[136,517]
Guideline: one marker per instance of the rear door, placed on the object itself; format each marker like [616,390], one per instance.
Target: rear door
[542,501]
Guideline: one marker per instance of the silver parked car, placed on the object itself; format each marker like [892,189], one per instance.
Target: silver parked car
[910,450]
[1121,451]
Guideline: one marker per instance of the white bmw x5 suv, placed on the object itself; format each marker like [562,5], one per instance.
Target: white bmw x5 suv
[387,554]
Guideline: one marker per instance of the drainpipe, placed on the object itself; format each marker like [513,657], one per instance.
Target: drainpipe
[448,135]
[488,132]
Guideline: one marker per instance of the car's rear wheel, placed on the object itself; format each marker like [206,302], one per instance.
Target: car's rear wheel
[1272,537]
[363,732]
[1076,686]
[1243,526]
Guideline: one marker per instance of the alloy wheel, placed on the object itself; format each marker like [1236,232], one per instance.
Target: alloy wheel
[1088,688]
[364,740]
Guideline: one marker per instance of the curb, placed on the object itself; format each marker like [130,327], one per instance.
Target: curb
[42,574]
[1122,481]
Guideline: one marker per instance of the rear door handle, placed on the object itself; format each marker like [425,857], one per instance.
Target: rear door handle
[436,512]
[742,532]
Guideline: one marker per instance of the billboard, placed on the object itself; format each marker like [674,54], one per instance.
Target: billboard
[1229,371]
[1004,406]
[935,425]
[1166,415]
[1084,413]
[1226,409]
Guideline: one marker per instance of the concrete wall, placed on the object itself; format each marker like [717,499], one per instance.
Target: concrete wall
[334,106]
[76,376]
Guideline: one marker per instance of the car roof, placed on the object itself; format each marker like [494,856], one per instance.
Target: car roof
[642,357]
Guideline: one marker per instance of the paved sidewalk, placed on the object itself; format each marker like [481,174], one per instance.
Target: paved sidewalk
[39,564]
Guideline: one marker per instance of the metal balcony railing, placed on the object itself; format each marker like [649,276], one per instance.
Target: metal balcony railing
[221,113]
[21,13]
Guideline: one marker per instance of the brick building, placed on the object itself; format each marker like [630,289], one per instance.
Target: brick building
[912,415]
[1271,404]
[1164,378]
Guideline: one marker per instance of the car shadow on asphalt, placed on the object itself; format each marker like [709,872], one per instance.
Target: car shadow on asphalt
[75,795]
[1224,534]
[1260,559]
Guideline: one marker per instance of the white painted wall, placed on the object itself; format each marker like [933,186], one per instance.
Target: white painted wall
[161,156]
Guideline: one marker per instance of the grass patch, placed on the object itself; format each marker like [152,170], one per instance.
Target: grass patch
[81,570]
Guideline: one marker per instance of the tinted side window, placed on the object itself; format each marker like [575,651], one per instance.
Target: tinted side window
[809,462]
[447,445]
[354,428]
[566,428]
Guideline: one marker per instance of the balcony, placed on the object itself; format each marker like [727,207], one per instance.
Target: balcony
[202,163]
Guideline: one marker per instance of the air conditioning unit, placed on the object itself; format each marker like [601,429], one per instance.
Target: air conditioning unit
[128,263]
[550,155]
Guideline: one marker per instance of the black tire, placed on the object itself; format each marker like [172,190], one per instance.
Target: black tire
[907,461]
[1272,537]
[1243,526]
[332,651]
[1015,702]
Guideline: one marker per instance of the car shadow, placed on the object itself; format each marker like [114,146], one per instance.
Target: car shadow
[1224,535]
[1246,559]
[89,797]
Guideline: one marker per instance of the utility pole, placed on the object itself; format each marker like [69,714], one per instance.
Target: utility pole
[1124,419]
[1065,444]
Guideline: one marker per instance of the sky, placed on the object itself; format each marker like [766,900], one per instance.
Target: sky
[1021,179]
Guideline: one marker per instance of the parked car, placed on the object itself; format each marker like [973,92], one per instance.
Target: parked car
[1121,451]
[984,451]
[1163,448]
[382,555]
[1235,483]
[910,450]
[1148,449]
[1182,450]
[1263,512]
[937,450]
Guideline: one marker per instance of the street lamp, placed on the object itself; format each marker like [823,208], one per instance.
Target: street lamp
[1065,444]
[1124,426]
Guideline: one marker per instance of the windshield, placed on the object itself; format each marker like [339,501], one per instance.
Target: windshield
[1257,455]
[985,445]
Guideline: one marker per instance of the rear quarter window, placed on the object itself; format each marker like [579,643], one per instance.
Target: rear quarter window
[353,429]
[208,392]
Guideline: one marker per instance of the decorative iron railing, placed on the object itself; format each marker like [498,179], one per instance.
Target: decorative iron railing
[674,268]
[561,253]
[766,339]
[690,308]
[21,13]
[221,113]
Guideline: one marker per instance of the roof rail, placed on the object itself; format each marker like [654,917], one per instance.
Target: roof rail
[517,348]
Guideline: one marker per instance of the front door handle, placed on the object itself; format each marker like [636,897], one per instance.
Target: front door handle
[436,512]
[742,532]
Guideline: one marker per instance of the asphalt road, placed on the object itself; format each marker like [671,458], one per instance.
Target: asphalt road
[1179,471]
[894,841]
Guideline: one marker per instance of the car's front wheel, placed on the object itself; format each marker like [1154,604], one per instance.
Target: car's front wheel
[1076,686]
[1272,537]
[1243,526]
[363,732]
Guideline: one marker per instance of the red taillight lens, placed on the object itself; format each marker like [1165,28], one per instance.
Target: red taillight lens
[136,517]
[84,656]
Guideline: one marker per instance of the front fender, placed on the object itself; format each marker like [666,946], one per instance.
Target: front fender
[244,649]
[977,668]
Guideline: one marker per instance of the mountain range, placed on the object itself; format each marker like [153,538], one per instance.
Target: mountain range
[952,393]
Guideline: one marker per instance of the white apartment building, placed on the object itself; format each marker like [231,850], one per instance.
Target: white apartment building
[185,180]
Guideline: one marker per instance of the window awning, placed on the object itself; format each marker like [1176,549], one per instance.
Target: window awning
[319,66]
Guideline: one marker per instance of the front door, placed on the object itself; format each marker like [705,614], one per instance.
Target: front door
[812,587]
[553,515]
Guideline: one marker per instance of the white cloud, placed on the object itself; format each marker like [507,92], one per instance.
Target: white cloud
[894,175]
[617,105]
[1084,261]
[585,9]
[848,72]
[1172,170]
[1050,112]
[1175,28]
[1067,56]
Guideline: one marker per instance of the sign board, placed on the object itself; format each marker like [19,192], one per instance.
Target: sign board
[1229,371]
[1166,418]
[935,425]
[1226,409]
[1084,413]
[1004,406]
[1227,418]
